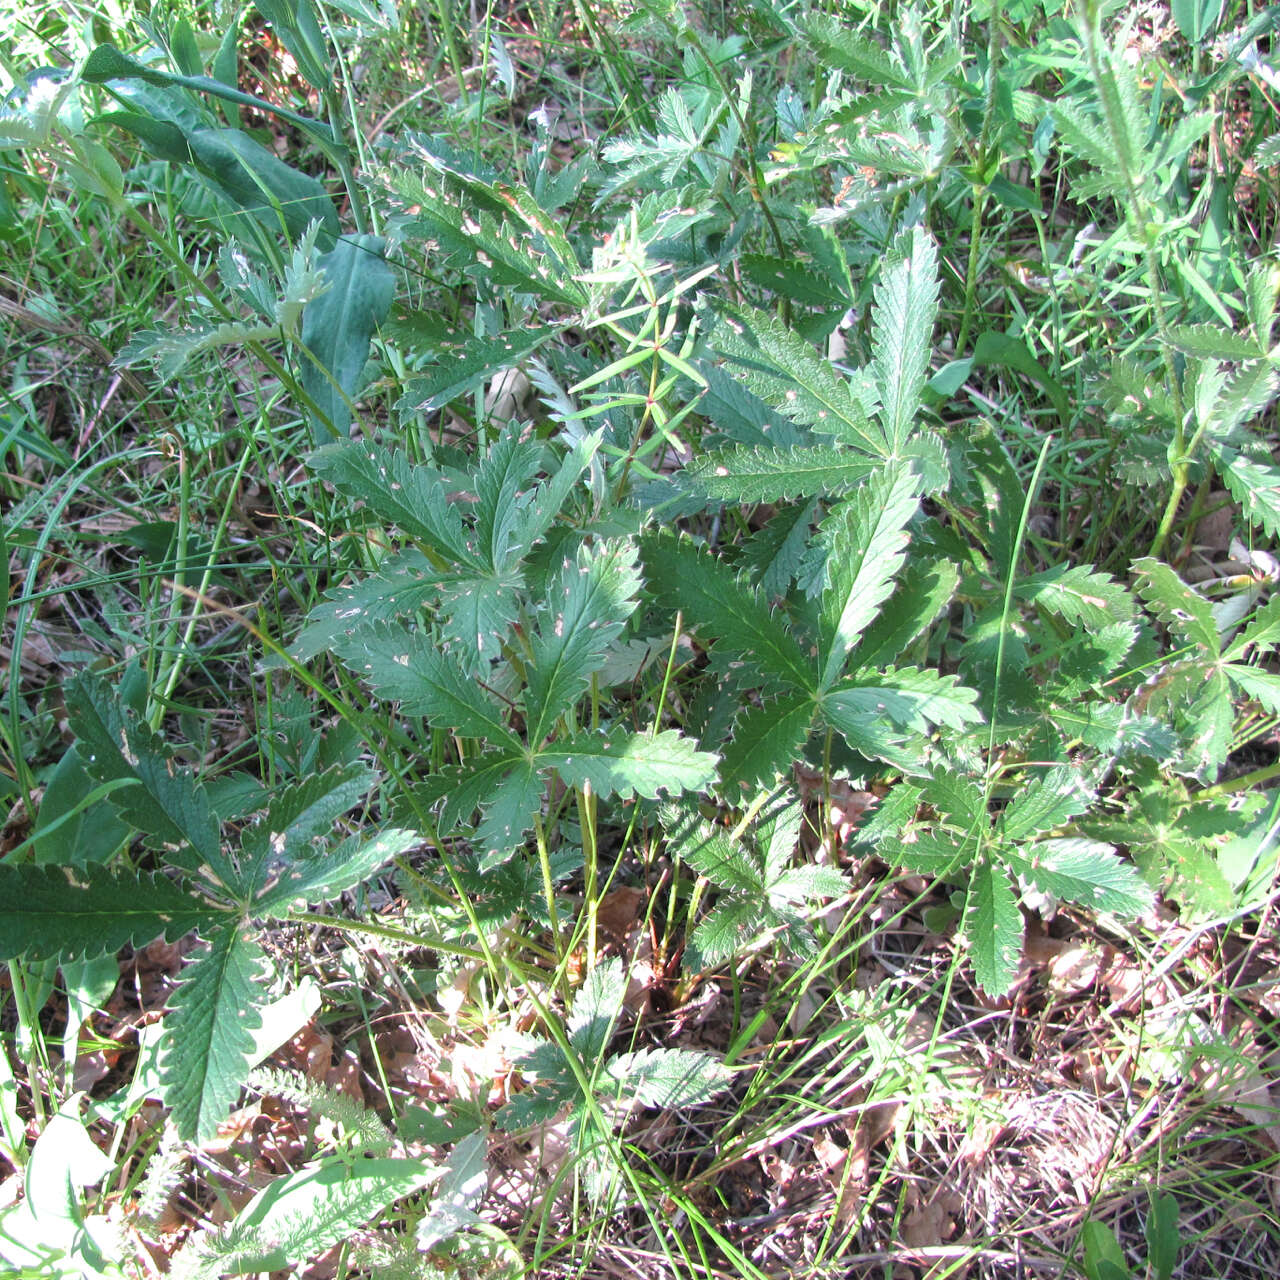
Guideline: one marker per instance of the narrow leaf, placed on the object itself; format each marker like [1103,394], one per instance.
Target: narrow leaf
[866,542]
[906,299]
[51,912]
[632,764]
[993,926]
[209,1045]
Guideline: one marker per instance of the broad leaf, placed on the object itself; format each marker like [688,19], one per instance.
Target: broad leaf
[338,326]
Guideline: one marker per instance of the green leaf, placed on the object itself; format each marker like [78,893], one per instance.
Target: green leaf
[1262,686]
[906,305]
[684,577]
[910,697]
[295,1219]
[595,1010]
[1183,610]
[586,606]
[464,788]
[338,326]
[296,815]
[1254,485]
[756,474]
[50,912]
[509,809]
[1087,872]
[711,853]
[790,278]
[256,182]
[408,667]
[866,543]
[668,1078]
[801,884]
[631,764]
[836,46]
[107,63]
[208,1044]
[767,740]
[924,589]
[1213,342]
[784,370]
[404,583]
[993,925]
[1077,594]
[1047,802]
[412,498]
[729,928]
[167,806]
[70,831]
[1261,635]
[930,853]
[324,876]
[467,365]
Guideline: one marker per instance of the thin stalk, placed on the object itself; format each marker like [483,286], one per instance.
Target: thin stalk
[591,866]
[548,886]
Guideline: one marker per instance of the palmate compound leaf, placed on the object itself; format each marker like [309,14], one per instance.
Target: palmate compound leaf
[587,603]
[208,1042]
[167,806]
[727,610]
[865,540]
[57,912]
[992,924]
[906,305]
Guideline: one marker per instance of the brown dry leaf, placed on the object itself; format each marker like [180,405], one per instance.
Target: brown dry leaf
[839,1175]
[620,914]
[933,1221]
[866,1132]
